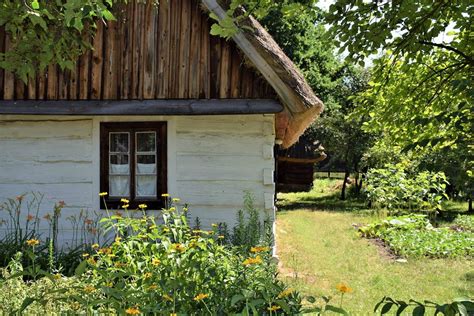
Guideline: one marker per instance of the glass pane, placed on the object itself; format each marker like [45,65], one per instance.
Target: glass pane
[119,164]
[119,142]
[146,185]
[146,142]
[146,164]
[119,186]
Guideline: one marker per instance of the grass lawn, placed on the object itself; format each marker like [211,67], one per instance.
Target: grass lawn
[319,248]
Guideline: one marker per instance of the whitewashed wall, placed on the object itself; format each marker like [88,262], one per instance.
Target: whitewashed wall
[212,160]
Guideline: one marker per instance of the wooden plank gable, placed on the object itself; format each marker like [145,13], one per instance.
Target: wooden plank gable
[150,52]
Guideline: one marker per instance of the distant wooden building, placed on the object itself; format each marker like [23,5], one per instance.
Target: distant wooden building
[296,165]
[159,106]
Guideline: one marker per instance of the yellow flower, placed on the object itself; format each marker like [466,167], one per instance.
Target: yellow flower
[220,237]
[178,247]
[118,239]
[125,206]
[125,201]
[273,308]
[250,261]
[142,206]
[286,293]
[215,225]
[259,249]
[176,200]
[147,275]
[166,229]
[132,311]
[105,251]
[57,276]
[95,246]
[165,195]
[89,289]
[120,264]
[173,314]
[109,284]
[153,287]
[167,297]
[343,288]
[156,262]
[32,242]
[172,209]
[85,255]
[103,193]
[200,297]
[91,261]
[185,209]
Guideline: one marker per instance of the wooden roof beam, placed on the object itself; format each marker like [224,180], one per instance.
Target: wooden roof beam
[146,107]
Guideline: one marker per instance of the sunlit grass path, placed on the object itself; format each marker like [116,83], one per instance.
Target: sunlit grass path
[322,248]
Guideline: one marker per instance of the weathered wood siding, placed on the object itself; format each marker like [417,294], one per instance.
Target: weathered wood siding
[50,156]
[220,158]
[163,52]
[212,160]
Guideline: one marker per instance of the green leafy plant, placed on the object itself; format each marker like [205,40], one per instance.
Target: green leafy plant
[249,230]
[460,306]
[22,222]
[49,32]
[395,188]
[414,236]
[464,223]
[164,266]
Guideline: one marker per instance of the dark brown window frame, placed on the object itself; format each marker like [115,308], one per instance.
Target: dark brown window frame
[161,160]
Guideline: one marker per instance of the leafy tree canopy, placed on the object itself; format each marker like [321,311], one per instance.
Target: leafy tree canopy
[411,29]
[46,32]
[422,87]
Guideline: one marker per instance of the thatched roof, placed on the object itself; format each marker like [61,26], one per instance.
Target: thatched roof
[301,104]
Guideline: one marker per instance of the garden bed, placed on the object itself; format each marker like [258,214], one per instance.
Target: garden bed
[414,236]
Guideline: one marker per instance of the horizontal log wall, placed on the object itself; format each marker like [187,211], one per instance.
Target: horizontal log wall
[211,160]
[150,52]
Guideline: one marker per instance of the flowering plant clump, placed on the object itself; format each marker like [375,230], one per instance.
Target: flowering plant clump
[162,266]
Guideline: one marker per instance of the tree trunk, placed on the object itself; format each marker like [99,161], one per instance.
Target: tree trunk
[469,208]
[344,185]
[359,185]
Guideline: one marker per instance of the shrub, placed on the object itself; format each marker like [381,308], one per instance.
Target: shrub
[22,222]
[464,222]
[249,231]
[413,236]
[394,188]
[170,268]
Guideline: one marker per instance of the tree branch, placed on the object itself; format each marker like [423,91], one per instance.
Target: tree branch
[450,48]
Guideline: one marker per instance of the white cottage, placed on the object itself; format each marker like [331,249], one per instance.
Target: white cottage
[159,106]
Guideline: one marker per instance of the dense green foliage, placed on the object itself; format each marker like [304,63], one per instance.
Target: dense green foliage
[420,95]
[408,28]
[304,39]
[414,236]
[395,188]
[461,306]
[155,268]
[464,222]
[49,32]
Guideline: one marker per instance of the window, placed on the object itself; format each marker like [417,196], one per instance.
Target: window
[133,163]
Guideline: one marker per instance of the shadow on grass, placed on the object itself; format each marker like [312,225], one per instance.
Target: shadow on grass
[333,203]
[322,203]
